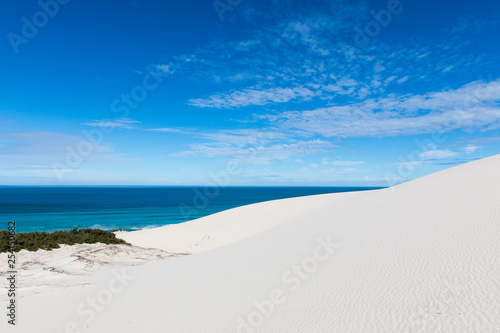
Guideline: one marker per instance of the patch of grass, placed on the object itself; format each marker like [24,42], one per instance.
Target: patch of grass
[33,241]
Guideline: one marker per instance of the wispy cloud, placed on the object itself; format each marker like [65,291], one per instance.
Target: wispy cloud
[469,149]
[30,155]
[243,137]
[166,130]
[403,79]
[165,69]
[41,143]
[278,151]
[472,106]
[254,97]
[346,163]
[481,140]
[125,123]
[437,154]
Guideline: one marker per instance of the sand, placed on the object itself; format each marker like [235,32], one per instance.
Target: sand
[423,256]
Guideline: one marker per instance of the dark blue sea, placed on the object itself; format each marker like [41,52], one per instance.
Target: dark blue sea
[130,208]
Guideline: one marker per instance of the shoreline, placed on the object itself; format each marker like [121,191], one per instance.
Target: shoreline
[89,207]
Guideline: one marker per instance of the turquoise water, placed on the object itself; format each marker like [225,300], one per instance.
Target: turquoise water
[130,208]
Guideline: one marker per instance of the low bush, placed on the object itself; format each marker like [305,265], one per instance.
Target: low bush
[33,241]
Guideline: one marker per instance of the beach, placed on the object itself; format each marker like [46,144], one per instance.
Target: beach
[422,256]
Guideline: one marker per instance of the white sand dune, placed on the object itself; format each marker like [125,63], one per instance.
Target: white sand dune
[423,256]
[229,226]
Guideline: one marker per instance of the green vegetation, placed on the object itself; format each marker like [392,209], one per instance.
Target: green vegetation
[33,241]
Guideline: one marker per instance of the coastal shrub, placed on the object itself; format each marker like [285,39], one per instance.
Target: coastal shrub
[33,241]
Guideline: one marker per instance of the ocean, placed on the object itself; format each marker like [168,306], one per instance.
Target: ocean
[130,208]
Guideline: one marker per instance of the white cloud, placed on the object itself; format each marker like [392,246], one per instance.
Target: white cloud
[447,69]
[165,69]
[124,123]
[347,82]
[338,89]
[437,154]
[346,163]
[471,106]
[278,151]
[379,68]
[469,149]
[363,92]
[403,79]
[29,156]
[483,140]
[389,80]
[244,137]
[253,97]
[165,130]
[46,145]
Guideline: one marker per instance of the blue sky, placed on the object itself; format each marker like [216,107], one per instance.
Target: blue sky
[364,93]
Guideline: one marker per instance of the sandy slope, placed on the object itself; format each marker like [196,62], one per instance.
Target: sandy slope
[229,226]
[67,266]
[423,256]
